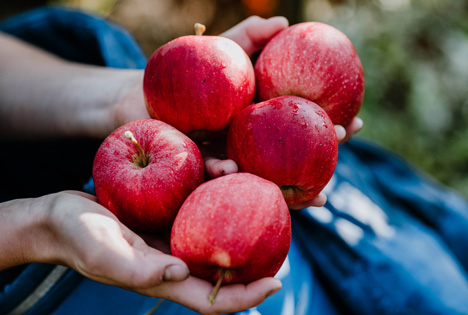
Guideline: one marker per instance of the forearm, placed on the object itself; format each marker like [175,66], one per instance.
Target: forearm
[25,233]
[43,96]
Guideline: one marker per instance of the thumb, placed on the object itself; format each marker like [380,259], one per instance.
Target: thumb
[148,267]
[128,262]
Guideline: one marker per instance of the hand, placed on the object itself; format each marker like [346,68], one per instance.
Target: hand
[90,239]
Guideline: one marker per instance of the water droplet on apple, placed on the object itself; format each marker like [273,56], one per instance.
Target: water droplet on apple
[295,108]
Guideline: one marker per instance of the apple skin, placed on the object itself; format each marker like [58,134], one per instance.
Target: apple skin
[146,199]
[288,140]
[315,61]
[198,82]
[239,222]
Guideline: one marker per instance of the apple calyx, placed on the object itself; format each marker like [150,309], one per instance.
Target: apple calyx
[223,273]
[199,29]
[141,160]
[289,190]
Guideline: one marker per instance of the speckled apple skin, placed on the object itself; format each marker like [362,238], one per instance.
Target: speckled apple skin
[315,61]
[239,222]
[198,82]
[147,199]
[288,140]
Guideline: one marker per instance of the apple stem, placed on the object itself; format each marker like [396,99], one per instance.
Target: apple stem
[129,135]
[199,29]
[215,290]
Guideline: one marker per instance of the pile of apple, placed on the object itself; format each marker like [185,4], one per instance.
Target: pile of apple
[235,228]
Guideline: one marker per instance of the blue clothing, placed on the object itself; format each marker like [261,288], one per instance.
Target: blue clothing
[388,241]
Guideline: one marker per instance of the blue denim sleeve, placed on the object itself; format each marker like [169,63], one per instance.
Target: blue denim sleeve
[77,36]
[439,207]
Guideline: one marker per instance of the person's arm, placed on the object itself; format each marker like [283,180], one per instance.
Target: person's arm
[72,229]
[42,95]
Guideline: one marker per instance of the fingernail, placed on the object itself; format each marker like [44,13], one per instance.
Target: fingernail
[175,273]
[272,291]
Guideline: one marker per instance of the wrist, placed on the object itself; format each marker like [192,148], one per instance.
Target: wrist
[115,98]
[26,234]
[130,103]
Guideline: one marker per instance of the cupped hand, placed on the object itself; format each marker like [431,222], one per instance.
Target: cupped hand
[90,239]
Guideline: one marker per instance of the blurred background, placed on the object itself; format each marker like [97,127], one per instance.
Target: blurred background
[414,53]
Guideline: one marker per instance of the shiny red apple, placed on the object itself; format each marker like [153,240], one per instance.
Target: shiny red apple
[198,82]
[143,172]
[233,229]
[288,140]
[315,61]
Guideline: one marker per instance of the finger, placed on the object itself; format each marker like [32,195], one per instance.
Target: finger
[319,201]
[241,297]
[253,33]
[215,167]
[193,293]
[355,126]
[340,133]
[264,30]
[344,134]
[140,271]
[152,266]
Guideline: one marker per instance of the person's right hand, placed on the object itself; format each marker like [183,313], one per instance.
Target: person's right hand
[78,232]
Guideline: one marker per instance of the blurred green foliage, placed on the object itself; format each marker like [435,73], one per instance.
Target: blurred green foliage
[415,58]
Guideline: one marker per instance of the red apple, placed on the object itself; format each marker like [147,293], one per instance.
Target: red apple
[233,229]
[198,82]
[315,61]
[288,140]
[145,178]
